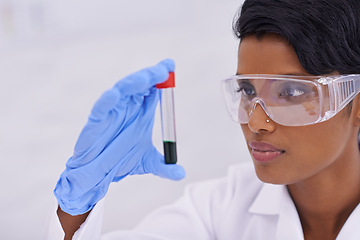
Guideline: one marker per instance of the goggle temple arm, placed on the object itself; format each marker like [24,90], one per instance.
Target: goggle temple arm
[345,89]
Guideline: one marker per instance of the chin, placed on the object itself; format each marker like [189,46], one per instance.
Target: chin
[268,175]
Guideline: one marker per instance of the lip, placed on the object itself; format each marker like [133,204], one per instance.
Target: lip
[264,152]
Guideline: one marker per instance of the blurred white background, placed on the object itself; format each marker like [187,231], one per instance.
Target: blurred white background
[57,57]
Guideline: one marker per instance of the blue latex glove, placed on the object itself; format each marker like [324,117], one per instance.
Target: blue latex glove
[116,142]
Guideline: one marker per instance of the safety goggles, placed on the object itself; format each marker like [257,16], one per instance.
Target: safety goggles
[289,100]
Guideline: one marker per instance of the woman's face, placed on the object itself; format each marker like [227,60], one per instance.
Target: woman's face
[287,155]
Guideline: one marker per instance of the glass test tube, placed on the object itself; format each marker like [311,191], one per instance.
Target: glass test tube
[168,118]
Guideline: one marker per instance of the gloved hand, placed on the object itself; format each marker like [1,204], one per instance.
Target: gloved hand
[116,142]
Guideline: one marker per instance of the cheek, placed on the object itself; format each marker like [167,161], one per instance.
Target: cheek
[309,144]
[317,144]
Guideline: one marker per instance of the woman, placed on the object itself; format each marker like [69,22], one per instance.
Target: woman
[294,57]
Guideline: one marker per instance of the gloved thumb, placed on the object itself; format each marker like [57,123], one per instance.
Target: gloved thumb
[159,168]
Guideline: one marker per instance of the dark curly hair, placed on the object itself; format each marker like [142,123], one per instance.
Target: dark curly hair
[324,33]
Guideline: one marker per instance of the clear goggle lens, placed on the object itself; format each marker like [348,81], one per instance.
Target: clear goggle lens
[286,100]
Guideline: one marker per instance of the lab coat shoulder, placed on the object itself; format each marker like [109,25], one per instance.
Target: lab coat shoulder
[212,209]
[224,204]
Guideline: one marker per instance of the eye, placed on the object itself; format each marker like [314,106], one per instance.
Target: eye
[246,89]
[293,90]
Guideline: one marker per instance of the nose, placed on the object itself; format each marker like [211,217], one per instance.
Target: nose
[259,121]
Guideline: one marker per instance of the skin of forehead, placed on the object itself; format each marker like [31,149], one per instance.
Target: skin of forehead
[252,61]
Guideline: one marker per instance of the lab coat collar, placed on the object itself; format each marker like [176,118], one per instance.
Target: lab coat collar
[276,200]
[351,230]
[268,199]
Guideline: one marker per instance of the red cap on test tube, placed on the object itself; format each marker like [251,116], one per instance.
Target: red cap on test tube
[169,83]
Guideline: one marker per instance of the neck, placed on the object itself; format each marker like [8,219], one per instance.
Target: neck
[325,201]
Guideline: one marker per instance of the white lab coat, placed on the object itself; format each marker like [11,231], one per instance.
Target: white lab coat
[236,207]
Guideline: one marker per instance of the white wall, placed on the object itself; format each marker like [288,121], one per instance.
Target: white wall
[57,57]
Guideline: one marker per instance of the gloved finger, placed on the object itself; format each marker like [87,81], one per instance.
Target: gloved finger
[141,81]
[171,171]
[151,101]
[169,64]
[104,104]
[159,168]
